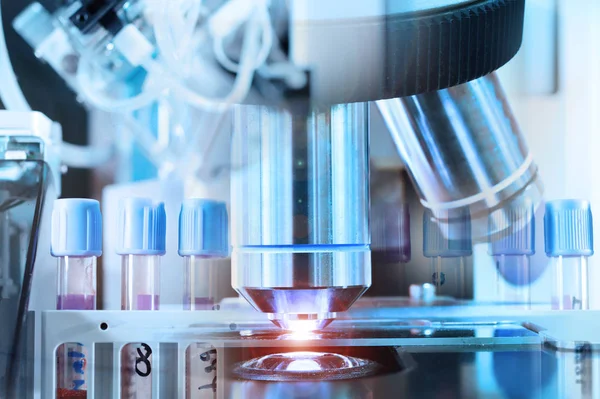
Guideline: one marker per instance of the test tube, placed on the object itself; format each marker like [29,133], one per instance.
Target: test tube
[77,242]
[447,242]
[141,243]
[512,246]
[203,242]
[568,235]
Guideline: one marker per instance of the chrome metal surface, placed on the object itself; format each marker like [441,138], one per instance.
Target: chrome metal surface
[463,148]
[300,204]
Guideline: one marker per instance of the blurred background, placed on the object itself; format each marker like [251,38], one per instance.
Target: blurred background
[553,85]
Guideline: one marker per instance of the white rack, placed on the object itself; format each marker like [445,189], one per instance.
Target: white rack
[105,333]
[171,333]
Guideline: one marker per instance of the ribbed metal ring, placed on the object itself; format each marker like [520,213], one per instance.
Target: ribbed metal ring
[439,50]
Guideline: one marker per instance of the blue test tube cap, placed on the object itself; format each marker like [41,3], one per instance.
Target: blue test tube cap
[76,228]
[142,227]
[203,228]
[568,229]
[447,233]
[515,226]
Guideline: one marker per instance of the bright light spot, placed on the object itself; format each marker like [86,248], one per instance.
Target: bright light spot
[301,335]
[304,365]
[302,326]
[302,330]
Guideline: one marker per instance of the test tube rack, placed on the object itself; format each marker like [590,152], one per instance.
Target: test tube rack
[171,333]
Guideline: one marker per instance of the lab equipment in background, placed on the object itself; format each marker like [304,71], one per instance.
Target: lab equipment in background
[463,148]
[512,247]
[569,241]
[203,240]
[136,54]
[141,244]
[76,242]
[300,211]
[447,242]
[29,183]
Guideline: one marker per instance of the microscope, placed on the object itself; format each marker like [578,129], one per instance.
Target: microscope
[300,210]
[301,82]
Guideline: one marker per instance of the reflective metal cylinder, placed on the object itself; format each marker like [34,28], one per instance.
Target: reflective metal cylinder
[463,148]
[300,206]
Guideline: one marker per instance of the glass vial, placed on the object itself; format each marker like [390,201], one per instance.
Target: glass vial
[76,242]
[203,242]
[512,246]
[141,243]
[569,241]
[447,242]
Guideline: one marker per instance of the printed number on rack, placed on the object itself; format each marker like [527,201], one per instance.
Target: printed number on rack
[212,385]
[212,367]
[143,359]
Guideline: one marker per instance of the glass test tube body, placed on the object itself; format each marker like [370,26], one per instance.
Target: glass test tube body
[139,291]
[200,279]
[76,290]
[140,282]
[570,285]
[76,283]
[448,275]
[200,282]
[513,278]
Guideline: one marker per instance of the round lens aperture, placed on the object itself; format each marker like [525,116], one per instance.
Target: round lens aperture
[298,366]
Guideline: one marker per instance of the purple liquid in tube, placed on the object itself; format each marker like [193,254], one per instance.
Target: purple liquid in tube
[147,302]
[200,303]
[75,302]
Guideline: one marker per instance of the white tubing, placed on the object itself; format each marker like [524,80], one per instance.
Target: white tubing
[263,55]
[110,104]
[84,156]
[163,36]
[242,83]
[174,29]
[10,91]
